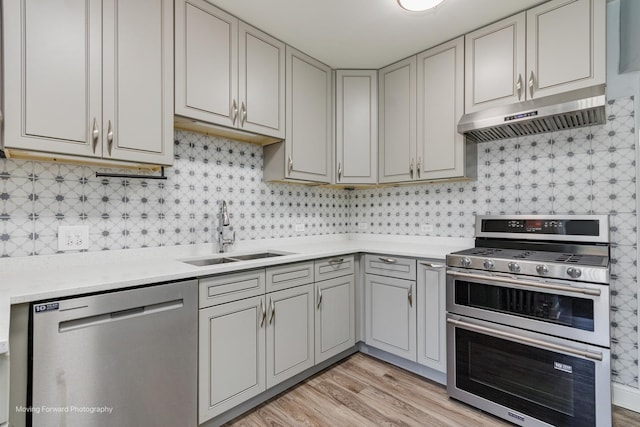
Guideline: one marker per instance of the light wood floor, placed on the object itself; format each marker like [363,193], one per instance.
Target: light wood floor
[363,391]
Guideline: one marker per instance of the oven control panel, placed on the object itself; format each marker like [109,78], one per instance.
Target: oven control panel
[583,228]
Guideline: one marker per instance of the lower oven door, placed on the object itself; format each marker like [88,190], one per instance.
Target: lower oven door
[527,378]
[577,311]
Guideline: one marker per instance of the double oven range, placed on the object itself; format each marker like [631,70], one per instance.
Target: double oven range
[528,320]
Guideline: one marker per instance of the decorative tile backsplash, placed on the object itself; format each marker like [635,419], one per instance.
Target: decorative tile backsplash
[589,170]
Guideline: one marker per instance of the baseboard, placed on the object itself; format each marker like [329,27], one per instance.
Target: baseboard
[626,397]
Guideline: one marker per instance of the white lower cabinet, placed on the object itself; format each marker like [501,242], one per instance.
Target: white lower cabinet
[335,329]
[232,346]
[4,389]
[391,315]
[289,333]
[431,304]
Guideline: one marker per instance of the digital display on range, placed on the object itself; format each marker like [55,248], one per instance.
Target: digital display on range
[568,227]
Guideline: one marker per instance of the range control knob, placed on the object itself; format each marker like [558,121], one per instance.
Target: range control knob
[514,267]
[488,264]
[542,269]
[465,262]
[574,272]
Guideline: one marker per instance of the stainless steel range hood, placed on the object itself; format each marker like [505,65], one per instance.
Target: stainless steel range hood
[582,107]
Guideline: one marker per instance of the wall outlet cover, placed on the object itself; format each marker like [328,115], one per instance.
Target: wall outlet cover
[426,228]
[363,226]
[73,237]
[299,227]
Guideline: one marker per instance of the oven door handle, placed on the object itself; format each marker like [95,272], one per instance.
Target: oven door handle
[531,283]
[525,340]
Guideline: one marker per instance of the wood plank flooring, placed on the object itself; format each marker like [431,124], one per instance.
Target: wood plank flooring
[363,391]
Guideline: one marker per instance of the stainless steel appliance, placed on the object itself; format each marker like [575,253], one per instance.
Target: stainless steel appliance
[528,320]
[126,358]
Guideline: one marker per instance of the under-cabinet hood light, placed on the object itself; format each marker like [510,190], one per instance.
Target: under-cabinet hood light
[418,5]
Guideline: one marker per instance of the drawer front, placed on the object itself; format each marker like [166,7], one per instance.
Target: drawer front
[225,288]
[290,275]
[391,266]
[330,268]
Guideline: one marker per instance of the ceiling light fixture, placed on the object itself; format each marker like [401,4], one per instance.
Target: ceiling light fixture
[418,5]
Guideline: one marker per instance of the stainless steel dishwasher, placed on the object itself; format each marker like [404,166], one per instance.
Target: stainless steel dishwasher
[126,358]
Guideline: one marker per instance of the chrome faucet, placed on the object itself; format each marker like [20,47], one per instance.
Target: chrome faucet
[223,221]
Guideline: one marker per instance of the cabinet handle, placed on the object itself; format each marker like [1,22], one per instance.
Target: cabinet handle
[519,86]
[432,265]
[110,137]
[411,169]
[419,165]
[1,117]
[319,298]
[264,313]
[234,112]
[532,81]
[410,296]
[339,171]
[243,114]
[273,311]
[388,260]
[95,134]
[336,260]
[290,165]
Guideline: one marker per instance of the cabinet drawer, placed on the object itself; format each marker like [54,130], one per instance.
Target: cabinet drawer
[391,266]
[329,268]
[231,287]
[290,275]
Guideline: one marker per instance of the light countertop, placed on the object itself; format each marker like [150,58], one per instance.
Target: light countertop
[29,279]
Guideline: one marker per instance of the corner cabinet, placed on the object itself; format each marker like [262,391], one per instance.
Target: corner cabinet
[553,48]
[305,155]
[356,127]
[89,82]
[227,73]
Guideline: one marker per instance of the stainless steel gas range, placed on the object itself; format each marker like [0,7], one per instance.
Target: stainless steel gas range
[528,320]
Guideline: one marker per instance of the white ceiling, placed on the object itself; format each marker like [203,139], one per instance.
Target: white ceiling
[366,33]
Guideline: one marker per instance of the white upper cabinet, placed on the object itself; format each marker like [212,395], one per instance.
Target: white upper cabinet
[227,72]
[356,126]
[89,78]
[565,46]
[553,48]
[397,121]
[440,86]
[495,64]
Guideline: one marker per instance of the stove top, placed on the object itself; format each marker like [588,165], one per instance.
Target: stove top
[539,256]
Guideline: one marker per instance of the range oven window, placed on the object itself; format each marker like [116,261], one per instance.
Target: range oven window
[574,312]
[552,387]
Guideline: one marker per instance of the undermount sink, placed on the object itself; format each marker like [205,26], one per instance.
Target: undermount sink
[223,260]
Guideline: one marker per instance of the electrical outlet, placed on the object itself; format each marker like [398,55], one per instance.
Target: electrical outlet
[363,226]
[426,228]
[299,227]
[73,237]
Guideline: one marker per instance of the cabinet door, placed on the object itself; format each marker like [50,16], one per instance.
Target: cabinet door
[308,142]
[391,315]
[495,64]
[262,79]
[206,63]
[565,46]
[397,121]
[357,126]
[431,315]
[137,122]
[231,355]
[440,83]
[289,333]
[52,75]
[335,317]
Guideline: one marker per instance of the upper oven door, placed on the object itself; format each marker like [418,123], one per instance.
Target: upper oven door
[577,311]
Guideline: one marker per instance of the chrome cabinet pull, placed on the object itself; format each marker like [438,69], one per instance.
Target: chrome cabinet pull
[519,86]
[243,115]
[319,298]
[530,283]
[273,311]
[264,313]
[336,261]
[532,81]
[1,117]
[410,296]
[432,265]
[339,171]
[95,134]
[525,340]
[290,165]
[109,137]
[388,260]
[234,112]
[411,169]
[419,165]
